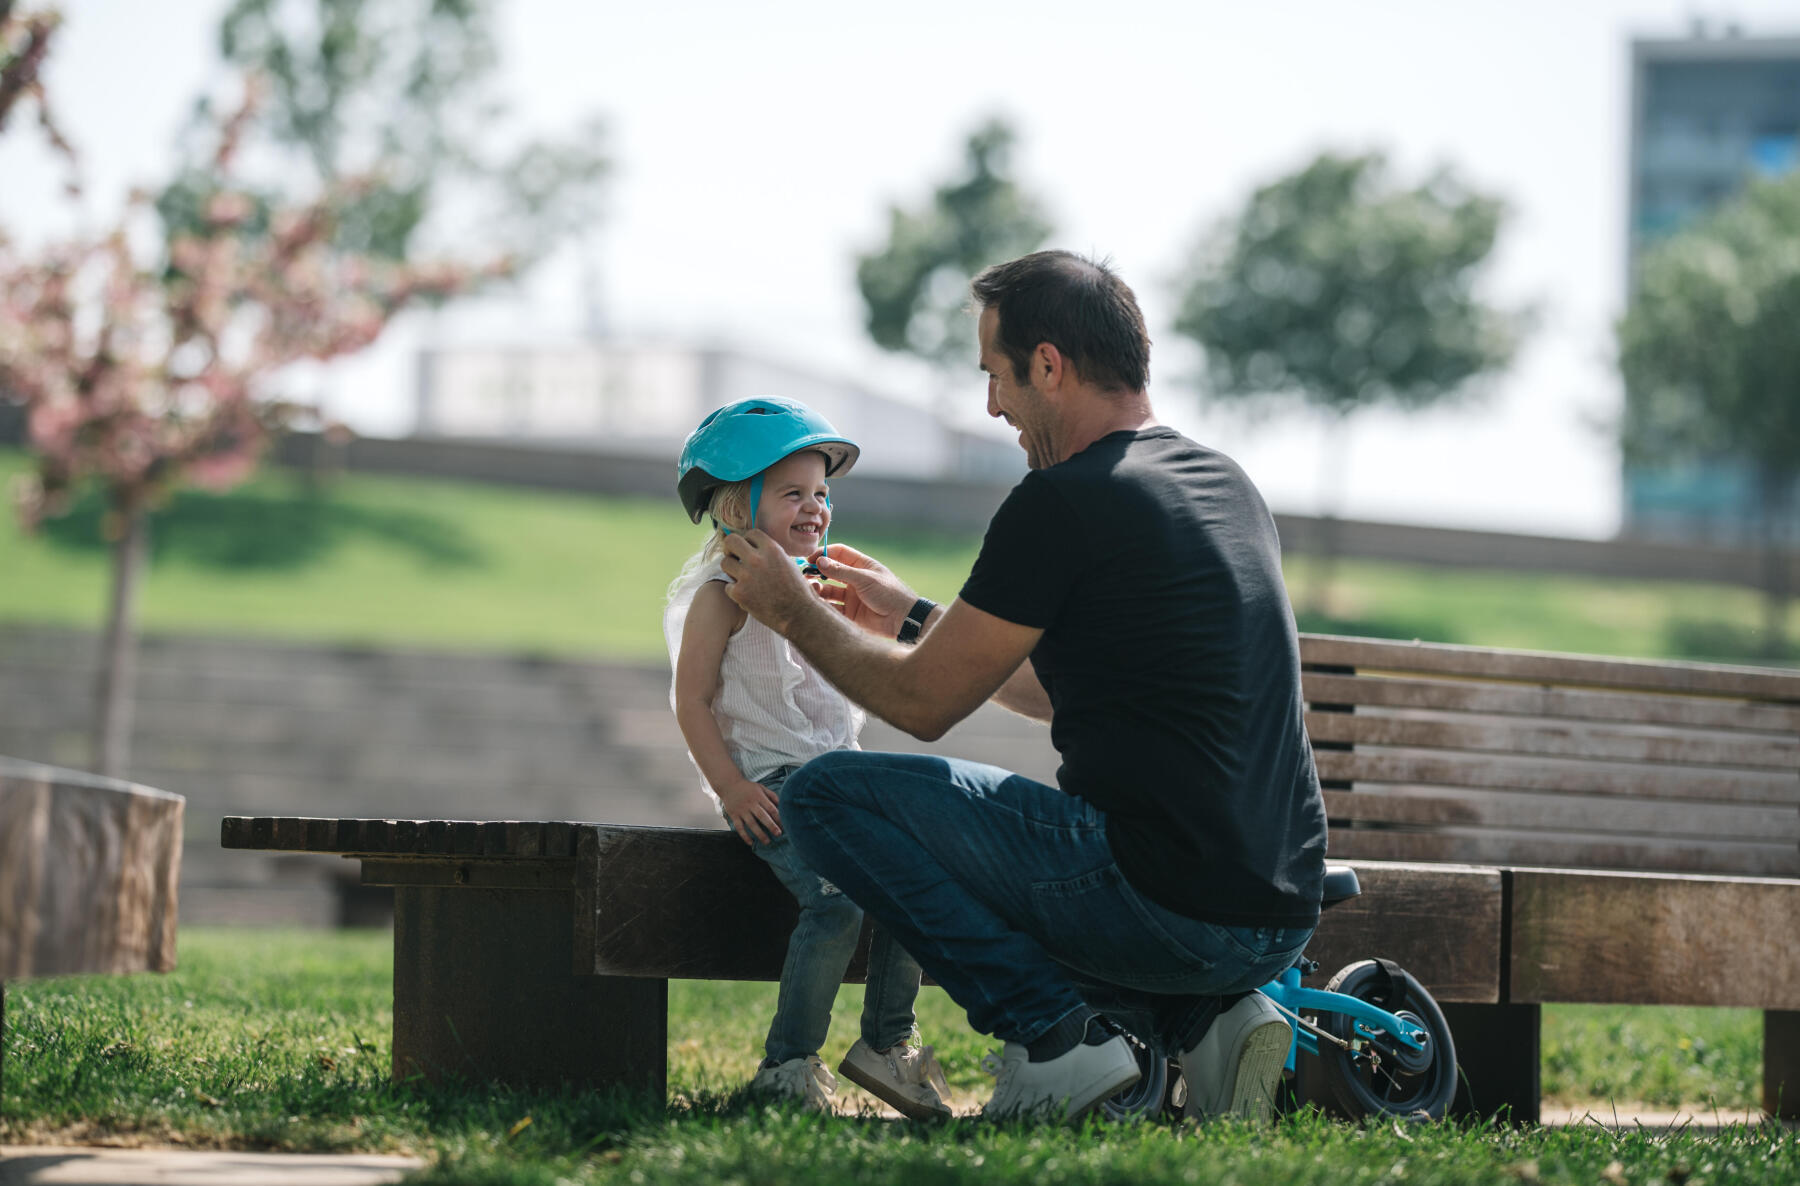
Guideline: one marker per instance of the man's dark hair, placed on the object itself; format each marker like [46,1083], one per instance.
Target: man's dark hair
[1078,305]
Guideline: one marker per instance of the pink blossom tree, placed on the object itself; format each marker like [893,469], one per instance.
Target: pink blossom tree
[143,378]
[25,39]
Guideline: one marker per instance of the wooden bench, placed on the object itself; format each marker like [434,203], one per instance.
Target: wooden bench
[1645,818]
[1527,829]
[541,953]
[88,874]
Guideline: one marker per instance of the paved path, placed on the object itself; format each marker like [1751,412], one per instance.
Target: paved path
[26,1165]
[1634,1116]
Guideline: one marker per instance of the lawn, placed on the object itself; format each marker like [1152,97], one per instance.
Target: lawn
[371,560]
[279,1040]
[397,560]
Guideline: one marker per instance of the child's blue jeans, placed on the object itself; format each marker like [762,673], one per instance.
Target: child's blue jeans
[818,953]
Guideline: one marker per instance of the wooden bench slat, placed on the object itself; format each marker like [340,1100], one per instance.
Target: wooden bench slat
[1466,695]
[1501,772]
[1645,939]
[1535,666]
[1441,922]
[1587,742]
[680,903]
[524,839]
[499,839]
[1527,810]
[1509,848]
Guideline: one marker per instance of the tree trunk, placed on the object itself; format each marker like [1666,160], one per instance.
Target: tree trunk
[1334,471]
[1775,566]
[114,689]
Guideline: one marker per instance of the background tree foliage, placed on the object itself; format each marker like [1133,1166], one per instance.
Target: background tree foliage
[1336,286]
[401,95]
[915,289]
[1341,289]
[360,175]
[25,39]
[1710,353]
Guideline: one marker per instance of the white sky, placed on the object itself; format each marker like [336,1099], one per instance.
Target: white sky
[758,146]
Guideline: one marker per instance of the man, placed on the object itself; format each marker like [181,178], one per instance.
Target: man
[1128,592]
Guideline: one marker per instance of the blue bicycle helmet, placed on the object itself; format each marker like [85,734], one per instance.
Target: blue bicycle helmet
[743,439]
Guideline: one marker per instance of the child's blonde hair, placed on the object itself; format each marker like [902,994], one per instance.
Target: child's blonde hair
[729,507]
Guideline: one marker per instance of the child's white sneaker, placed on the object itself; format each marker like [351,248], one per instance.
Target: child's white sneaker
[905,1076]
[804,1081]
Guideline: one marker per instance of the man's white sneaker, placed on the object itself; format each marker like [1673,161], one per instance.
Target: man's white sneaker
[908,1077]
[1235,1069]
[804,1081]
[1066,1087]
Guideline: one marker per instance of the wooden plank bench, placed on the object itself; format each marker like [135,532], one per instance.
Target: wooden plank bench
[1528,829]
[88,874]
[1645,817]
[541,953]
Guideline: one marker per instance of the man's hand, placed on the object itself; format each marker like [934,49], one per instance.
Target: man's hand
[765,580]
[873,597]
[751,810]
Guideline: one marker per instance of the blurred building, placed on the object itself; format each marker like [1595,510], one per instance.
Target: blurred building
[1708,112]
[643,399]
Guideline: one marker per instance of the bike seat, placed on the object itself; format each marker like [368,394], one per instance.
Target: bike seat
[1340,883]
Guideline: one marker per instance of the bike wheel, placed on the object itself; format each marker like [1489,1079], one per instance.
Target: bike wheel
[1146,1097]
[1406,1083]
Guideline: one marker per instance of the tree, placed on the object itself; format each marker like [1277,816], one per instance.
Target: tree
[25,39]
[399,95]
[916,287]
[1337,288]
[375,138]
[141,378]
[1710,353]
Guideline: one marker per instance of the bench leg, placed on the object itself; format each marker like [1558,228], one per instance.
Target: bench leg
[1497,1051]
[1781,1063]
[484,989]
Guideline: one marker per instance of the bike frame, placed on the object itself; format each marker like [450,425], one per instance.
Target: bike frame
[1287,992]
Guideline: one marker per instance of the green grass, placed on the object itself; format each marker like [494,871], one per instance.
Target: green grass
[375,561]
[397,561]
[1662,1056]
[280,1040]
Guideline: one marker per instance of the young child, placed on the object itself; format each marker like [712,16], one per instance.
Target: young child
[752,711]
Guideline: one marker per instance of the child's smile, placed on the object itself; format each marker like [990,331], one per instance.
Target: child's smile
[795,509]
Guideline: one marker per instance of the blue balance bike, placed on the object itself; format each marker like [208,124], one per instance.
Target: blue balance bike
[1371,1042]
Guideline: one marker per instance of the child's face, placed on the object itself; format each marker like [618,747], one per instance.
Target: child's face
[793,511]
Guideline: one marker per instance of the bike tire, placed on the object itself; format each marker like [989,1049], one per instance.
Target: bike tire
[1343,1087]
[1149,1095]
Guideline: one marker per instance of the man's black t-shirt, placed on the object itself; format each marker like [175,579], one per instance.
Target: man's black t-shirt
[1169,656]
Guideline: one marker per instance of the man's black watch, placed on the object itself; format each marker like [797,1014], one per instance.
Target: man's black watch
[915,621]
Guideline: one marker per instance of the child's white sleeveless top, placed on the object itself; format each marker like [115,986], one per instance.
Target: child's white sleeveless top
[774,709]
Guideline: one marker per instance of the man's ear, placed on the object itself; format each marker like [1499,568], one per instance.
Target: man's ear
[1048,367]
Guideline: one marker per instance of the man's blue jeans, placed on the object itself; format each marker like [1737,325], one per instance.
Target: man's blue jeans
[819,951]
[1006,892]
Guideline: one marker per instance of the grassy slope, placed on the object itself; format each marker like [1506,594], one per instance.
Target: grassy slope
[280,1040]
[404,561]
[396,561]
